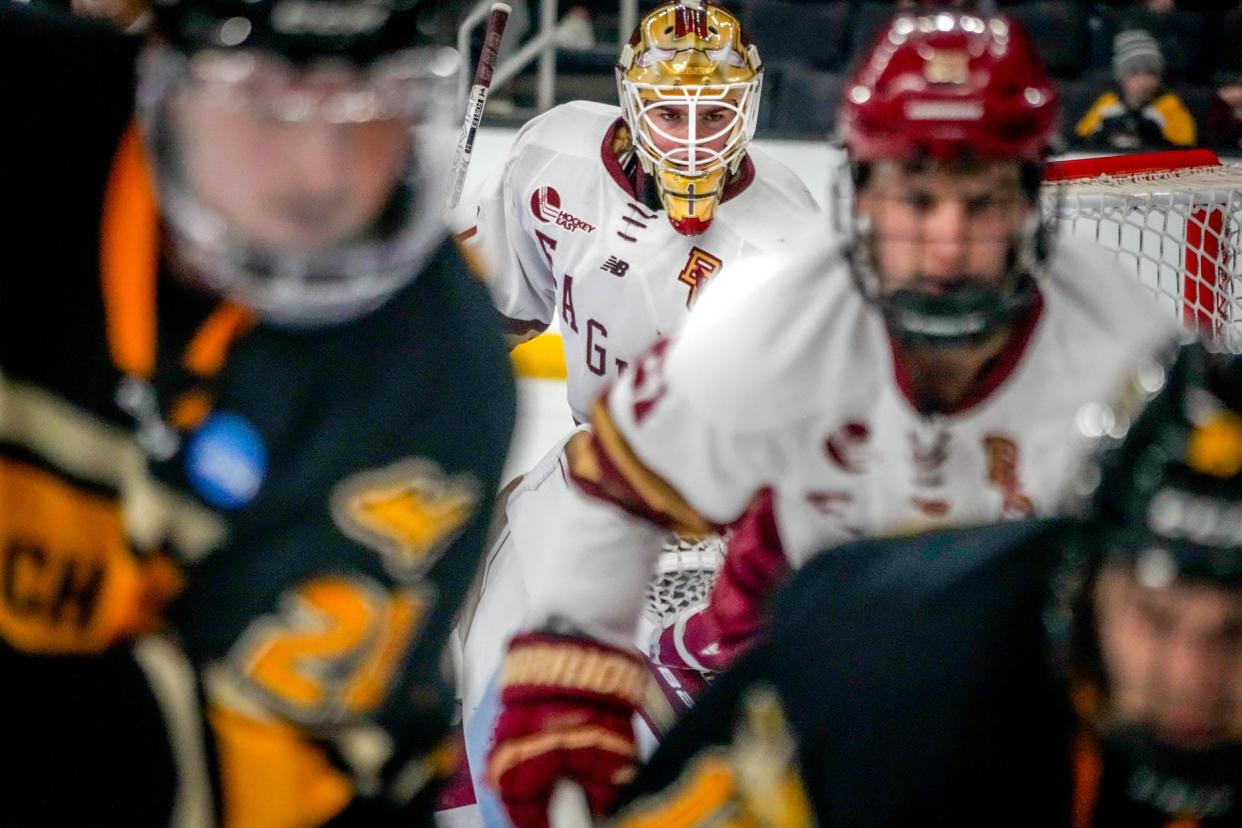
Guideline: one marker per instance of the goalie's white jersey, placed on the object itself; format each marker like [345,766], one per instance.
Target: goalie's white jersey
[564,235]
[786,379]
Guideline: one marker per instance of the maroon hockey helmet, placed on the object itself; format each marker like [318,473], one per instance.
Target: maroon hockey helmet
[946,85]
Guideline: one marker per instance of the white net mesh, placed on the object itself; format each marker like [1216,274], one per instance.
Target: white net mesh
[1179,229]
[685,572]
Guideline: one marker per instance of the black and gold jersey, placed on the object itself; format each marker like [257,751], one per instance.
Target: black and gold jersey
[302,509]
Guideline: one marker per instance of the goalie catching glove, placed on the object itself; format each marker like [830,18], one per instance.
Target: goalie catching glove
[566,705]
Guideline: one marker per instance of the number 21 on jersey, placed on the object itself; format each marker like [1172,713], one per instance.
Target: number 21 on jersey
[331,651]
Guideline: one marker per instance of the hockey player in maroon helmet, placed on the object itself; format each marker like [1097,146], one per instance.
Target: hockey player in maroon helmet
[927,373]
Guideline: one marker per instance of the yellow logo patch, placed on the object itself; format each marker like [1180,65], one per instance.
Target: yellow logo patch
[409,512]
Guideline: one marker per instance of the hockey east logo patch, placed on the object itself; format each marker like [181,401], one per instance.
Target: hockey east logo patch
[545,203]
[409,512]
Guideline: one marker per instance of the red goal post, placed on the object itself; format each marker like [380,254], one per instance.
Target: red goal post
[1174,217]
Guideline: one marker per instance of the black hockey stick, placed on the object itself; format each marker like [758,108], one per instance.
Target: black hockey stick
[478,97]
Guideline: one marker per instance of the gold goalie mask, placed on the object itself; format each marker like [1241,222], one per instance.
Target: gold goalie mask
[689,83]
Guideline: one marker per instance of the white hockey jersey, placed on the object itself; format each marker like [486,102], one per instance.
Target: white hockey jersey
[786,379]
[565,236]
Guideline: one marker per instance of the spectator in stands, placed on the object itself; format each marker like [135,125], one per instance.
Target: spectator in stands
[1186,30]
[1139,113]
[1224,127]
[1229,43]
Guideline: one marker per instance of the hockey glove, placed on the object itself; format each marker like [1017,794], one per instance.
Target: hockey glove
[692,640]
[566,705]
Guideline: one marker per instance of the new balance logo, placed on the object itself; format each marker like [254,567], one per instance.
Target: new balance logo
[615,266]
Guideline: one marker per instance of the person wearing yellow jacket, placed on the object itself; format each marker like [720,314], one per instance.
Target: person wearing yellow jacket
[1139,113]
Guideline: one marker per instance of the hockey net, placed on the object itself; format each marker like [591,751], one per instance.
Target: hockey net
[685,573]
[1174,219]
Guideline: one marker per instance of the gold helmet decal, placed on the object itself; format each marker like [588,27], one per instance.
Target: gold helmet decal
[689,83]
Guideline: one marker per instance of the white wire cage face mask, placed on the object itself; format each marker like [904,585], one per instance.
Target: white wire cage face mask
[690,144]
[689,83]
[310,193]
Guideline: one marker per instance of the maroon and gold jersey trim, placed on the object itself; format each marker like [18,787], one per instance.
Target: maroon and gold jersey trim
[604,466]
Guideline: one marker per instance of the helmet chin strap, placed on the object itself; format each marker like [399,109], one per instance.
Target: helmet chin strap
[962,318]
[1173,781]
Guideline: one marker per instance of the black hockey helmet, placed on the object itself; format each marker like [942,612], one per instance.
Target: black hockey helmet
[301,147]
[1167,490]
[1161,502]
[360,31]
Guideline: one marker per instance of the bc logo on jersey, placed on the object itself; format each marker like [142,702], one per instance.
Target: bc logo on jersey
[545,203]
[847,447]
[699,267]
[1002,453]
[409,512]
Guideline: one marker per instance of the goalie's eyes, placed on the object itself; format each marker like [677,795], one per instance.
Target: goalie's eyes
[669,115]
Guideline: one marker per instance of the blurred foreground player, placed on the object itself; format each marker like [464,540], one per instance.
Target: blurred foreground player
[1083,672]
[925,374]
[263,399]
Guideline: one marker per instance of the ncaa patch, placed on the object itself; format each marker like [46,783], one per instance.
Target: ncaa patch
[226,461]
[409,512]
